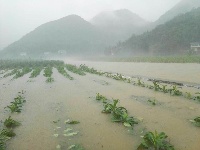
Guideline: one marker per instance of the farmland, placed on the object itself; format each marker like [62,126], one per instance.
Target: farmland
[113,106]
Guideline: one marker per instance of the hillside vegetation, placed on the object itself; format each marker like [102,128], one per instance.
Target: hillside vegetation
[172,37]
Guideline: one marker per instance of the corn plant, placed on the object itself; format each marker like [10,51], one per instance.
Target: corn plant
[155,141]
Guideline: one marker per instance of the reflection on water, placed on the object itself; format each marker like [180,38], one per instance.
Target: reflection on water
[65,99]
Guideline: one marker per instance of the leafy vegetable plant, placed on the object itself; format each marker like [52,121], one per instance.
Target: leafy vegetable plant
[10,123]
[155,141]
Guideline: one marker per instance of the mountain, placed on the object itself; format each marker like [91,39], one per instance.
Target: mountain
[173,37]
[180,8]
[70,34]
[119,24]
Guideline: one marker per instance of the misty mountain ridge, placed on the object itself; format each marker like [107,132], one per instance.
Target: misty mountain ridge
[75,36]
[122,17]
[180,8]
[120,24]
[173,37]
[71,34]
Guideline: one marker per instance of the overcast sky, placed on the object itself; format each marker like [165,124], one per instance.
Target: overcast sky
[18,17]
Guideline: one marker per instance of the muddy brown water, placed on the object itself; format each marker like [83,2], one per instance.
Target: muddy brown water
[65,99]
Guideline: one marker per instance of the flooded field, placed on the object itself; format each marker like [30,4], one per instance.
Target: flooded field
[48,107]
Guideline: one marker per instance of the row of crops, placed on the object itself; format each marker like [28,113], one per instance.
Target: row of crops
[151,140]
[7,131]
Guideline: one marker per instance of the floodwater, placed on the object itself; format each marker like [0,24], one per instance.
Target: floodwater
[65,99]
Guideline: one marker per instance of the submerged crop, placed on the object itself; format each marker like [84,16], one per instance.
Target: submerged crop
[155,141]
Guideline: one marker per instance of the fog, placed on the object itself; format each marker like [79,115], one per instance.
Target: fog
[19,17]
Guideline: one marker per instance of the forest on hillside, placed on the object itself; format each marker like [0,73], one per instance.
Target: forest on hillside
[172,37]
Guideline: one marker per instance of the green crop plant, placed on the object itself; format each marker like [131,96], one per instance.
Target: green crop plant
[85,68]
[14,71]
[118,77]
[19,100]
[76,147]
[73,122]
[117,114]
[10,123]
[62,71]
[74,69]
[140,83]
[156,86]
[125,119]
[49,80]
[21,73]
[153,102]
[197,96]
[3,139]
[48,71]
[7,132]
[36,72]
[155,141]
[188,95]
[175,92]
[164,89]
[196,121]
[17,104]
[14,108]
[108,108]
[100,98]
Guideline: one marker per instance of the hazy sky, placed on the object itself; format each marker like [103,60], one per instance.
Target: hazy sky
[18,17]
